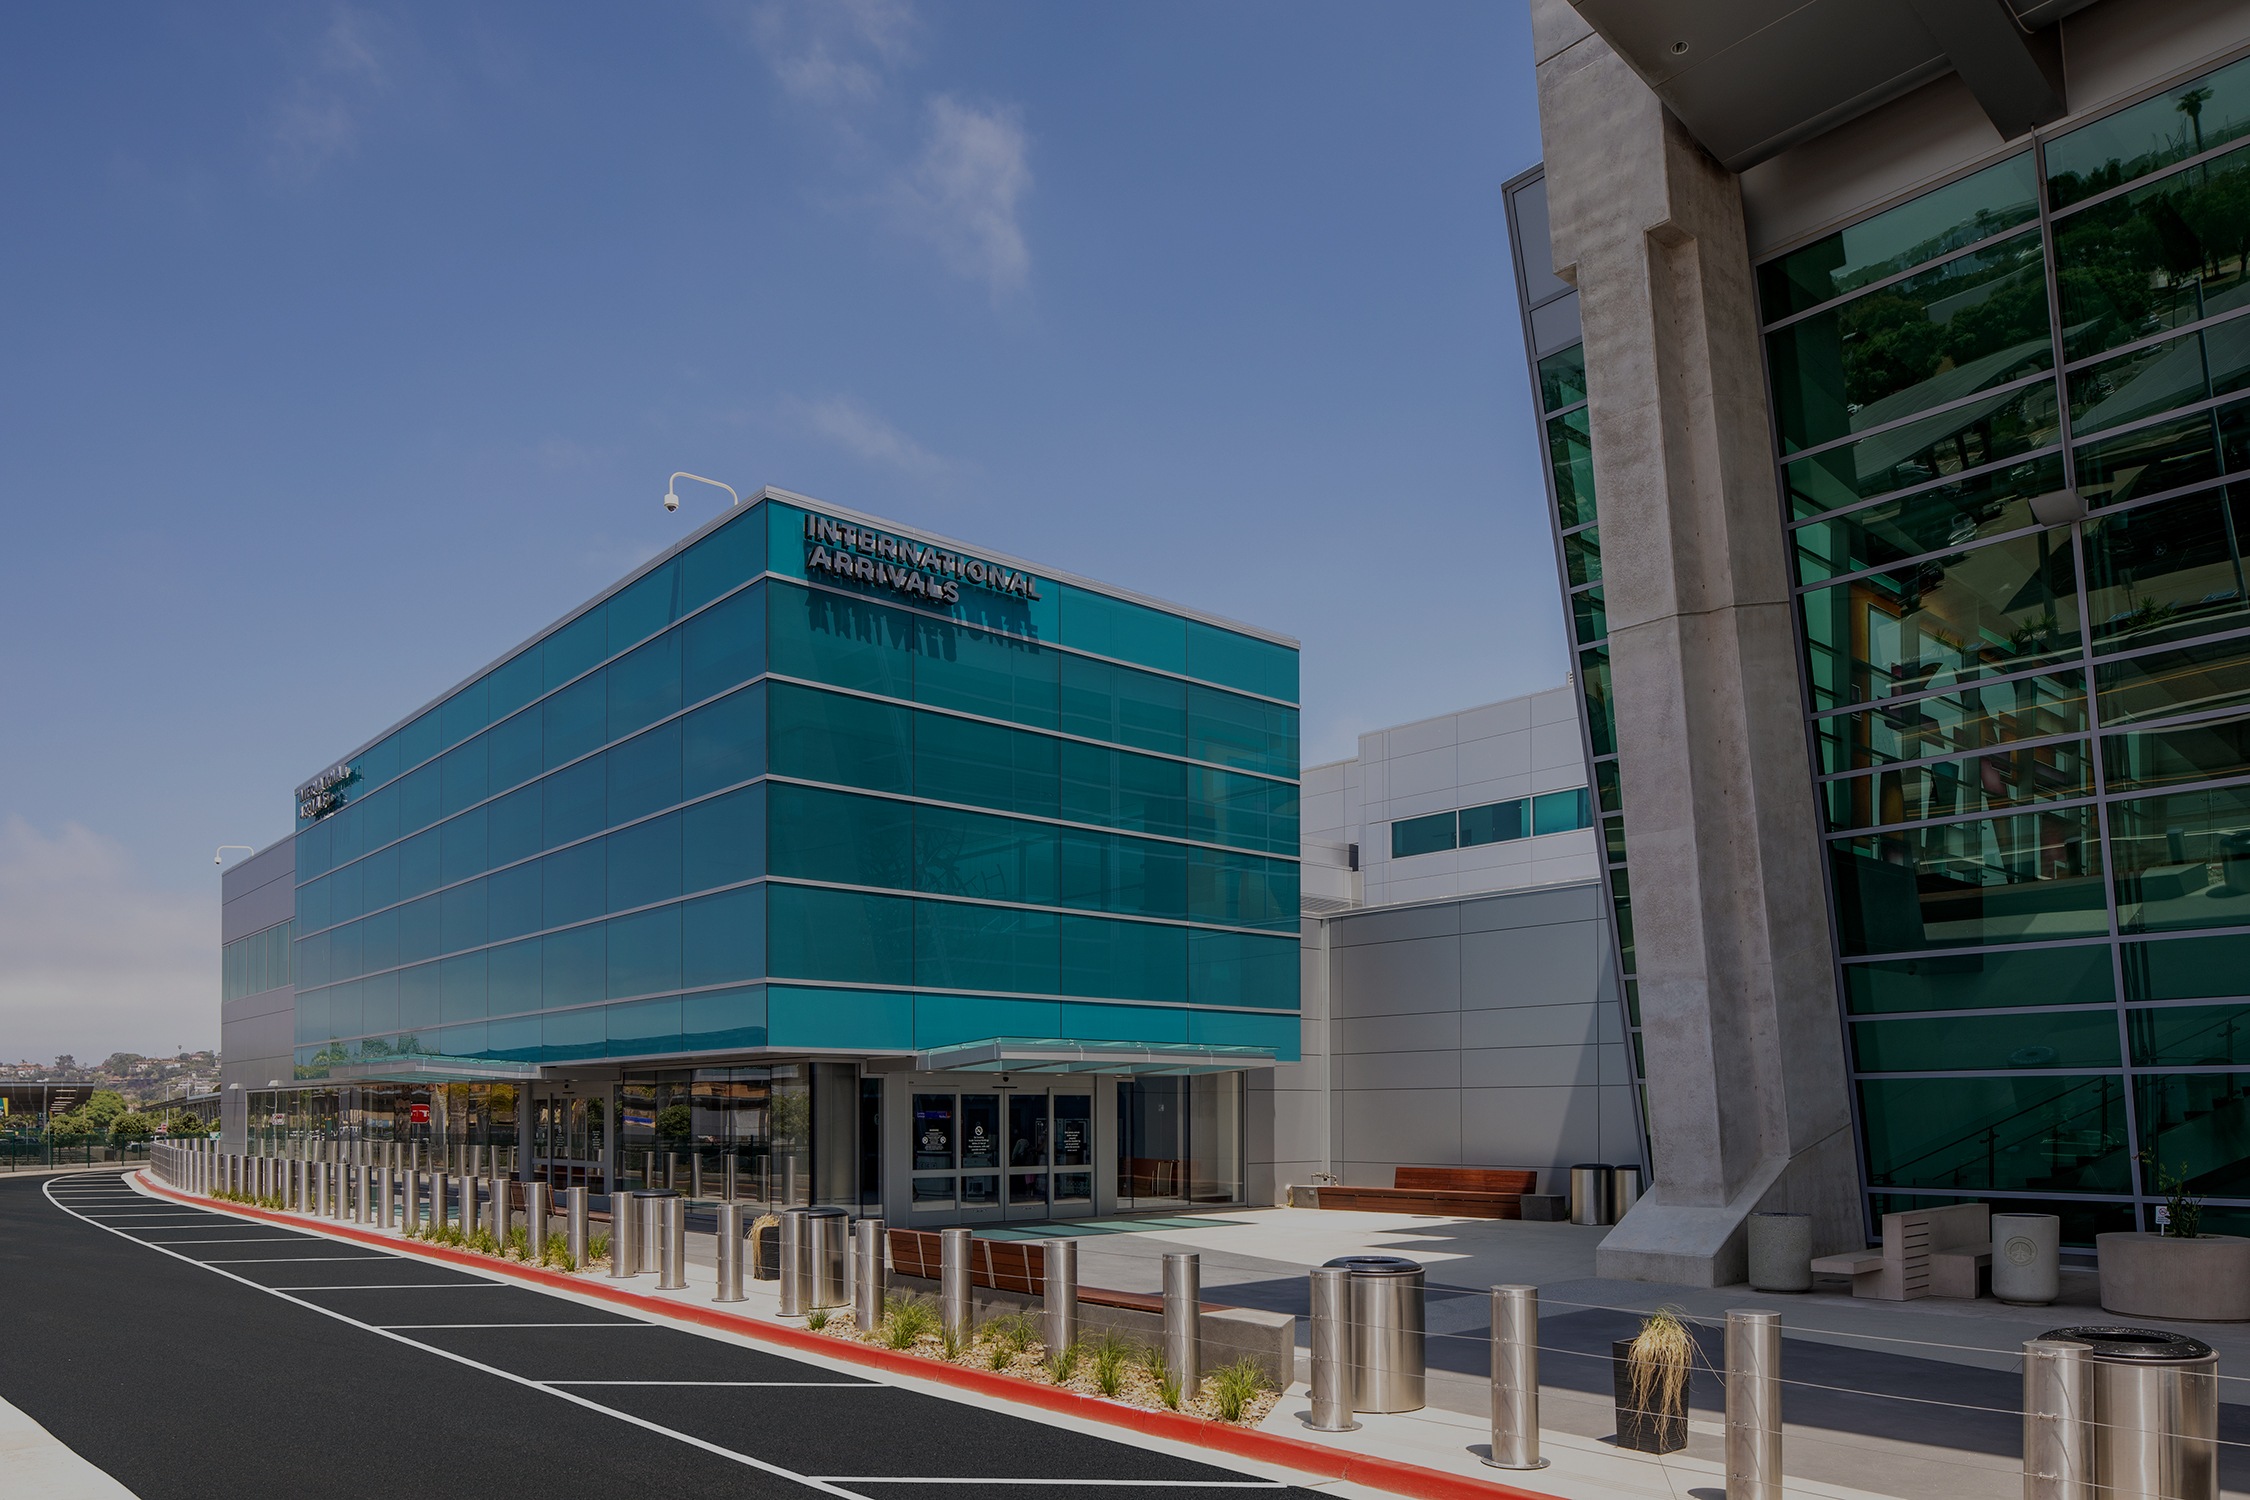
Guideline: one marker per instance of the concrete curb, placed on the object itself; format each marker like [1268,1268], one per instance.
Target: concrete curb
[1264,1447]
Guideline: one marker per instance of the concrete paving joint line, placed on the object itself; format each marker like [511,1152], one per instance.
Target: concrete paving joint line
[1317,1460]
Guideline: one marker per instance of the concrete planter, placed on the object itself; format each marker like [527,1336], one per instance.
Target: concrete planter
[2026,1258]
[2206,1279]
[1781,1252]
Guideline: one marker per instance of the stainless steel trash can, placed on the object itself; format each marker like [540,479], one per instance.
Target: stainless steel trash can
[1387,1332]
[2154,1412]
[1589,1194]
[827,1253]
[1624,1189]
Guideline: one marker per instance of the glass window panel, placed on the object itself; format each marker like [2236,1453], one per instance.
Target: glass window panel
[1241,890]
[726,1020]
[2177,372]
[343,893]
[734,554]
[1560,812]
[573,968]
[644,773]
[2182,860]
[644,952]
[462,715]
[2190,1036]
[2198,116]
[418,931]
[2192,679]
[1961,440]
[644,686]
[1913,728]
[379,815]
[2153,258]
[644,863]
[514,683]
[849,741]
[461,917]
[575,802]
[1978,320]
[1570,455]
[1241,661]
[461,987]
[643,607]
[418,864]
[1237,731]
[723,840]
[934,1141]
[379,762]
[418,997]
[2188,1124]
[572,1035]
[724,743]
[1124,960]
[959,946]
[462,846]
[1997,608]
[1994,880]
[643,1028]
[418,805]
[1889,532]
[1236,968]
[1582,556]
[723,937]
[1589,618]
[1949,788]
[2166,455]
[837,639]
[1982,981]
[1228,807]
[976,672]
[1562,378]
[839,935]
[378,1003]
[574,884]
[1107,702]
[2040,1132]
[840,838]
[343,951]
[723,646]
[1122,790]
[515,825]
[971,854]
[1594,689]
[2170,570]
[986,765]
[419,740]
[574,648]
[2055,1039]
[575,720]
[2207,751]
[1424,835]
[516,750]
[514,901]
[512,978]
[1613,841]
[1944,219]
[1119,628]
[1605,780]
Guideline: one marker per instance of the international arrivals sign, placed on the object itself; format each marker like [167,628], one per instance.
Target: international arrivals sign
[843,550]
[323,794]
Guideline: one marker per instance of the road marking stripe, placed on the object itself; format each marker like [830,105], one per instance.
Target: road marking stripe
[461,1359]
[286,1260]
[833,1385]
[271,1239]
[1148,1484]
[389,1286]
[393,1327]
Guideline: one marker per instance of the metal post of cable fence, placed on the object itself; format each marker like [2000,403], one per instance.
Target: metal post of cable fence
[575,1239]
[1515,1378]
[503,1199]
[1061,1294]
[956,1297]
[535,1208]
[624,1255]
[672,1273]
[2056,1431]
[1753,1377]
[1183,1320]
[730,1253]
[1332,1387]
[868,1279]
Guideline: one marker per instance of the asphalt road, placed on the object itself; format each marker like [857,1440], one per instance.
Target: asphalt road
[193,1355]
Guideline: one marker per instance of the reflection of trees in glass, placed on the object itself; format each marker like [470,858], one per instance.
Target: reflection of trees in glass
[2155,257]
[1908,333]
[673,1122]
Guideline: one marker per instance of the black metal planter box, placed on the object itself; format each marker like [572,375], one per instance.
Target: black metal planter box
[1642,1430]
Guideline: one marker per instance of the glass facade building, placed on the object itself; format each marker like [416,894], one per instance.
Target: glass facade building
[807,817]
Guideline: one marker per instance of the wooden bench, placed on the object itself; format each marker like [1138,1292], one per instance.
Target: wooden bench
[1018,1266]
[1926,1252]
[1447,1192]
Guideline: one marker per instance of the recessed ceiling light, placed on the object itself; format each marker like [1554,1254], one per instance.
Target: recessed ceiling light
[1678,48]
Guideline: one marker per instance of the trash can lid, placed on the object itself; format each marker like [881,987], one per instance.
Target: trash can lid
[824,1212]
[1377,1265]
[2110,1341]
[656,1192]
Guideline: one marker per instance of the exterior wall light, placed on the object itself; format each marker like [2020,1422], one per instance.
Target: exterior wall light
[672,493]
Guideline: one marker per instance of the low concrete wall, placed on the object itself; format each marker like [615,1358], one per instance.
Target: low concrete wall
[1268,1339]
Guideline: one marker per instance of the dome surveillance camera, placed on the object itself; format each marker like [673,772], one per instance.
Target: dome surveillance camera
[671,500]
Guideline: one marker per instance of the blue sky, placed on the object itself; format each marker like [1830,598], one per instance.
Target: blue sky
[346,345]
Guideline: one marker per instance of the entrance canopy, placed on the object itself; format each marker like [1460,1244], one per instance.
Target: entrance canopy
[1019,1054]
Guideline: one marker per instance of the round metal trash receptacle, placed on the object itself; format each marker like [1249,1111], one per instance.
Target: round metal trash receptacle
[1589,1194]
[1387,1332]
[826,1249]
[1624,1190]
[2154,1412]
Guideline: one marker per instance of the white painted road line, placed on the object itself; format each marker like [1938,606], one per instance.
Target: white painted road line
[1137,1484]
[271,1239]
[408,1327]
[826,1385]
[391,1286]
[284,1260]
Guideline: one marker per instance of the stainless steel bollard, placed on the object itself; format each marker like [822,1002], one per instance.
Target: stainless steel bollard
[385,1192]
[1062,1295]
[498,1219]
[792,1258]
[1515,1378]
[361,1204]
[651,1238]
[672,1272]
[1753,1353]
[332,1189]
[695,1175]
[624,1255]
[1332,1394]
[957,1311]
[574,1226]
[867,1275]
[535,1221]
[2056,1433]
[671,1170]
[728,1176]
[730,1253]
[827,1267]
[1183,1320]
[465,1202]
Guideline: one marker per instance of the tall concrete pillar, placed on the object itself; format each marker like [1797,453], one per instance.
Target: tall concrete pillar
[1747,1103]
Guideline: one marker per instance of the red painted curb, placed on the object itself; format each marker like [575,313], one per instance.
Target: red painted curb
[1265,1447]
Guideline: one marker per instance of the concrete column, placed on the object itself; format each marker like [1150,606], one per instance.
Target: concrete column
[1746,1077]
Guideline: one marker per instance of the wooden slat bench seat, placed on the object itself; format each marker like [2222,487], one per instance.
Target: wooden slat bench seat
[1018,1266]
[1447,1192]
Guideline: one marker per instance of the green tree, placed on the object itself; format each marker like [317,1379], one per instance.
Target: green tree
[132,1129]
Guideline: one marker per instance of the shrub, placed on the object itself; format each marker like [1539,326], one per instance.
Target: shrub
[597,1247]
[905,1320]
[1111,1355]
[1234,1387]
[818,1318]
[519,1243]
[1063,1363]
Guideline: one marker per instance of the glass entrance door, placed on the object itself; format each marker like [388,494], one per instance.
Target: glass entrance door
[1027,1155]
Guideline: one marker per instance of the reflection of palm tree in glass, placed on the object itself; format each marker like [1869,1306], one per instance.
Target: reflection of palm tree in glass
[2191,104]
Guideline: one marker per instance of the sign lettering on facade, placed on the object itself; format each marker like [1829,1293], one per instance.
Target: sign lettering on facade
[323,794]
[843,550]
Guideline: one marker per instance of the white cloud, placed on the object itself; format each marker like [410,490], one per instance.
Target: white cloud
[92,960]
[317,117]
[860,432]
[832,52]
[963,192]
